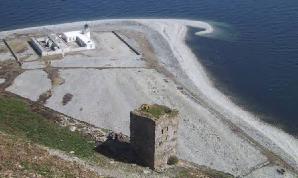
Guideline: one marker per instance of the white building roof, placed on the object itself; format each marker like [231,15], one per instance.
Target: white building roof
[85,38]
[72,33]
[78,34]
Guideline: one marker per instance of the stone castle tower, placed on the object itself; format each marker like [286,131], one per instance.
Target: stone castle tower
[153,134]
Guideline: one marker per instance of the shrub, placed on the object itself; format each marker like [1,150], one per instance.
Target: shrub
[173,160]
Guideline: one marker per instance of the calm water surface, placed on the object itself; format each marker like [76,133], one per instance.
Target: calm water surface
[254,59]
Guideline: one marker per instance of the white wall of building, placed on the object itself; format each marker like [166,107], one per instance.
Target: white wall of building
[84,40]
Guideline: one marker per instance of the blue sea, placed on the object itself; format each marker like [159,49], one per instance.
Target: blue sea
[253,57]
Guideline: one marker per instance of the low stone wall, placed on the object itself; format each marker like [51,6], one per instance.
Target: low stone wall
[126,43]
[12,52]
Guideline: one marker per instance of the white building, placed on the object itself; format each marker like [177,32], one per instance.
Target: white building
[83,38]
[70,36]
[53,44]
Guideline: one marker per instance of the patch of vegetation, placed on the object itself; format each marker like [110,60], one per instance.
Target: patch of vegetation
[66,98]
[18,46]
[21,158]
[17,119]
[157,110]
[173,160]
[43,170]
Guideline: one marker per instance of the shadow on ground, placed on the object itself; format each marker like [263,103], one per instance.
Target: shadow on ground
[118,149]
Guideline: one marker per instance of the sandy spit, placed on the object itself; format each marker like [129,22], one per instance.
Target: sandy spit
[175,31]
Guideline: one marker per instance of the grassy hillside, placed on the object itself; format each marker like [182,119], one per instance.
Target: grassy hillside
[22,131]
[21,158]
[17,119]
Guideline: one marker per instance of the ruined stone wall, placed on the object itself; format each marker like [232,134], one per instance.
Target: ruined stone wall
[142,134]
[166,140]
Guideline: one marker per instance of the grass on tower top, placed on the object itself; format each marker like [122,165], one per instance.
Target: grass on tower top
[157,111]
